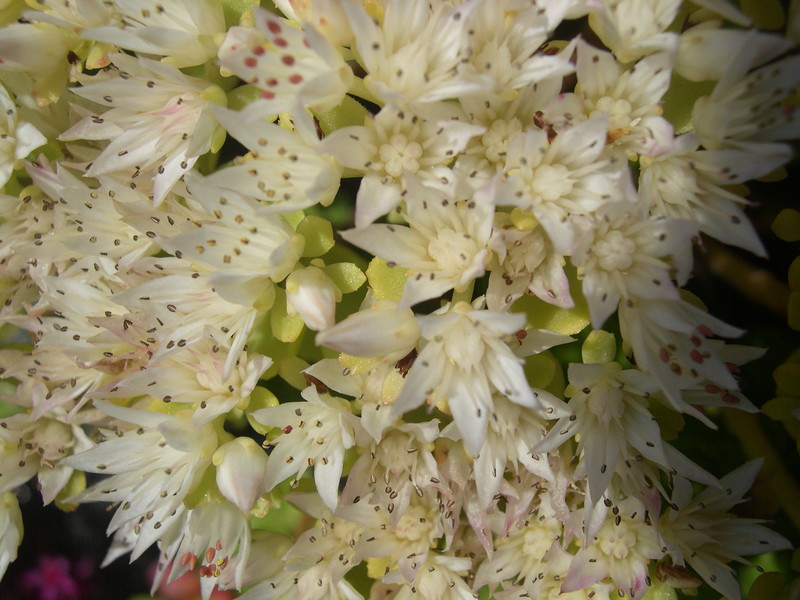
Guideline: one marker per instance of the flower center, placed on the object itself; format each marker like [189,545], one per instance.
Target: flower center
[618,541]
[537,542]
[399,155]
[551,182]
[411,525]
[495,141]
[452,250]
[618,109]
[615,251]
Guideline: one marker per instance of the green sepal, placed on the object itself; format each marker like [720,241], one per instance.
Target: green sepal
[283,517]
[787,225]
[347,276]
[765,14]
[234,9]
[386,282]
[318,235]
[670,422]
[787,377]
[206,490]
[260,398]
[543,371]
[679,101]
[660,590]
[291,371]
[241,96]
[599,347]
[347,113]
[284,328]
[567,321]
[75,485]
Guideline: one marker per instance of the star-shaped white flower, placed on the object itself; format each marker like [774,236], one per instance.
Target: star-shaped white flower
[316,434]
[464,358]
[443,248]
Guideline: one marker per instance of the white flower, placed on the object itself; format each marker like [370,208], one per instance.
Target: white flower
[622,257]
[295,68]
[17,139]
[314,567]
[406,539]
[549,582]
[283,171]
[611,423]
[744,110]
[153,467]
[184,32]
[391,146]
[502,120]
[172,306]
[160,122]
[630,99]
[444,246]
[381,331]
[39,447]
[40,51]
[241,244]
[439,578]
[706,52]
[48,380]
[196,375]
[669,341]
[77,14]
[635,28]
[241,466]
[520,552]
[700,531]
[215,540]
[555,177]
[621,550]
[465,356]
[527,261]
[511,432]
[372,382]
[689,183]
[412,53]
[313,295]
[90,221]
[315,434]
[506,40]
[402,466]
[10,530]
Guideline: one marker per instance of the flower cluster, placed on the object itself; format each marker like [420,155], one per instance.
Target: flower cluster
[213,319]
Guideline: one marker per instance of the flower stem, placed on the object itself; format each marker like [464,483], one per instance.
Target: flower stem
[755,443]
[464,295]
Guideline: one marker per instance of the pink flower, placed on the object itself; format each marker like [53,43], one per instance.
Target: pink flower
[51,579]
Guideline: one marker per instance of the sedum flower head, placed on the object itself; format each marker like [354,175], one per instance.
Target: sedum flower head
[402,280]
